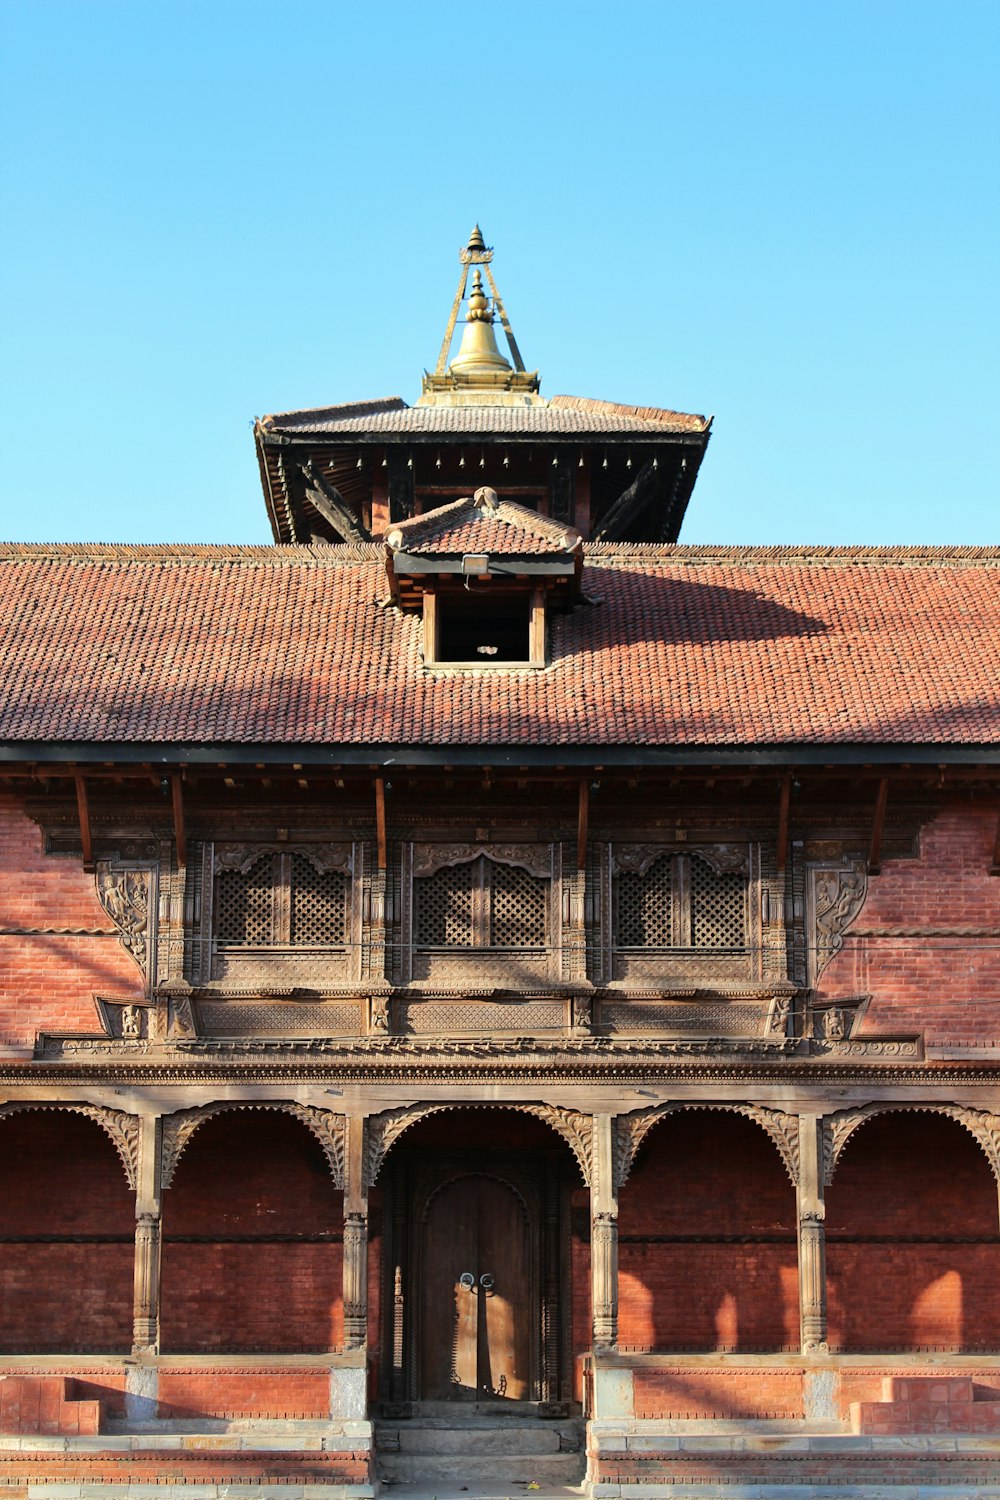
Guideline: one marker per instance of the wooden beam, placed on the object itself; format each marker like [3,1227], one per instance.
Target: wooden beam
[629,501]
[582,821]
[177,801]
[380,822]
[878,824]
[331,505]
[995,867]
[83,808]
[783,806]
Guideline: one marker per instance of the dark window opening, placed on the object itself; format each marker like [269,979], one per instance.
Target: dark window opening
[483,630]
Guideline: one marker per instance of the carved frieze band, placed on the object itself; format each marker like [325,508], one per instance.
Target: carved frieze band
[328,1128]
[981,1124]
[122,1129]
[535,858]
[836,894]
[125,896]
[632,1129]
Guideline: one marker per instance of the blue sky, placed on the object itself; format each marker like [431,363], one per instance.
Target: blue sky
[785,214]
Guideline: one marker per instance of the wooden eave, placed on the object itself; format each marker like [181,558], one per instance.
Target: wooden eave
[159,757]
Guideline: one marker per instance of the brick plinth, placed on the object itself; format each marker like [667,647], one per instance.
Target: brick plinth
[48,1405]
[170,1466]
[930,1404]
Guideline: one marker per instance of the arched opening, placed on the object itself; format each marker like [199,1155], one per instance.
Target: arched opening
[67,1222]
[707,1253]
[912,1243]
[252,1240]
[478,1275]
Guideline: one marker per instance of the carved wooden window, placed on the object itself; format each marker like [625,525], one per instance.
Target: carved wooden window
[480,904]
[280,898]
[680,900]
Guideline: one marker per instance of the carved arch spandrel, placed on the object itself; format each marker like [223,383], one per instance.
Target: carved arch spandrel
[122,1129]
[839,1128]
[384,1129]
[329,1129]
[323,857]
[535,858]
[781,1127]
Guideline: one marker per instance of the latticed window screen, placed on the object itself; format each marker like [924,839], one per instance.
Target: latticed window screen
[645,907]
[680,902]
[319,904]
[244,906]
[718,907]
[281,899]
[480,904]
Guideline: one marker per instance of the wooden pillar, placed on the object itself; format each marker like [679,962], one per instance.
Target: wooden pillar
[146,1281]
[355,1236]
[811,1236]
[603,1234]
[581,510]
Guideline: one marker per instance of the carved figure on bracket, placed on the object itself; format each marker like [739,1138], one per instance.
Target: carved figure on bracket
[124,894]
[779,1015]
[834,1025]
[379,1014]
[131,1023]
[583,1012]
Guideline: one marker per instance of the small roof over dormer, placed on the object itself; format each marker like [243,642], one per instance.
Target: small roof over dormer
[481,537]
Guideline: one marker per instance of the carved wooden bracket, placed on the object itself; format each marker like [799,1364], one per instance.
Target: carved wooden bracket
[981,1124]
[328,1128]
[126,897]
[122,1129]
[835,895]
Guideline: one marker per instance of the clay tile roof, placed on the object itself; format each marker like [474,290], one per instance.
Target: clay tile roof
[562,416]
[482,523]
[673,646]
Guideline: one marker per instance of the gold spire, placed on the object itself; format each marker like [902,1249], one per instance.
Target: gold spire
[479,374]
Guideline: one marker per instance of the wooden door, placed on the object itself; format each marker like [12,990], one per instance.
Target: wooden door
[477,1313]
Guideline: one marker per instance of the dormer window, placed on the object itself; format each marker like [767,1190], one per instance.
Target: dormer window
[485,625]
[483,572]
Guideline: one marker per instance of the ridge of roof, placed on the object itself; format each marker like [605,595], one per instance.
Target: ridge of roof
[625,409]
[694,554]
[559,416]
[343,409]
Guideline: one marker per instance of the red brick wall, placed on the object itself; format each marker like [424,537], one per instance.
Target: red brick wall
[930,977]
[60,1176]
[48,978]
[702,1182]
[913,1179]
[244,1266]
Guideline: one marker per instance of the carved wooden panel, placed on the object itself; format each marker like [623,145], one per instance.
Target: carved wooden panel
[479,916]
[708,915]
[835,894]
[273,917]
[281,1018]
[713,1018]
[462,1017]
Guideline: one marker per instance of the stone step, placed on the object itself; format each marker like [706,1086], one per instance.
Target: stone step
[479,1438]
[428,1469]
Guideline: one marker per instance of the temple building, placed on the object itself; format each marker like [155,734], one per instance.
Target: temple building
[491,994]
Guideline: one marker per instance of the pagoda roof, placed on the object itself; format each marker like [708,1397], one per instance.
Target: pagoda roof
[561,416]
[153,652]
